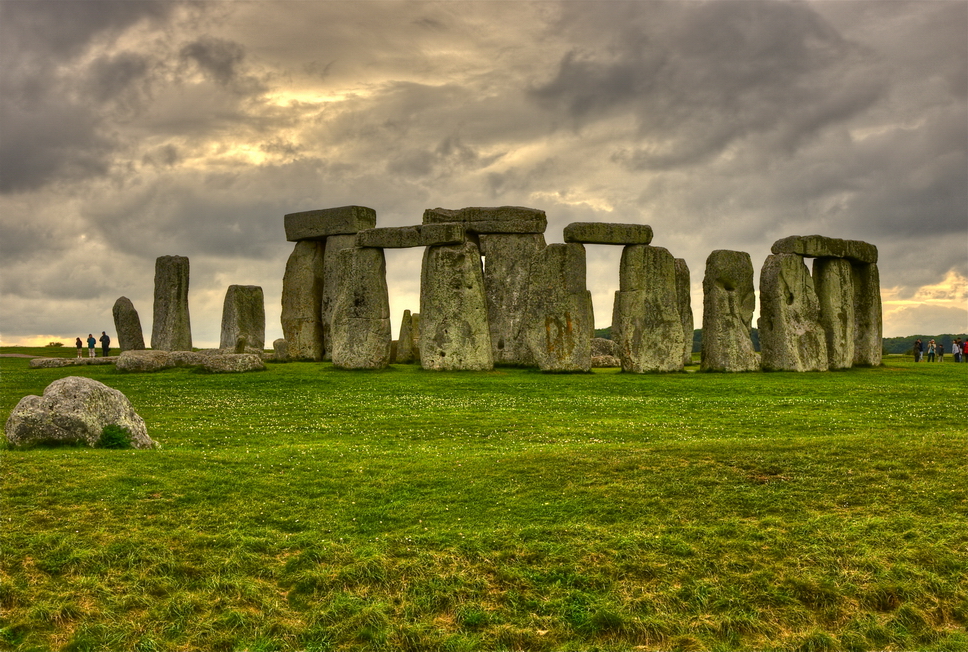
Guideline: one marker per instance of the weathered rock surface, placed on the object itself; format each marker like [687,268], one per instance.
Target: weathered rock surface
[868,316]
[501,219]
[302,296]
[406,351]
[233,363]
[818,246]
[608,233]
[561,320]
[603,347]
[243,316]
[421,235]
[74,410]
[171,328]
[454,331]
[128,325]
[320,224]
[361,313]
[507,276]
[280,350]
[54,363]
[791,337]
[833,281]
[684,296]
[646,325]
[728,304]
[605,361]
[214,360]
[331,283]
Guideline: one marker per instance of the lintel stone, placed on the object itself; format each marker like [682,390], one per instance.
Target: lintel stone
[319,224]
[421,235]
[608,233]
[500,219]
[818,246]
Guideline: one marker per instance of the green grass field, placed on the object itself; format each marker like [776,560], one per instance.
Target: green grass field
[307,508]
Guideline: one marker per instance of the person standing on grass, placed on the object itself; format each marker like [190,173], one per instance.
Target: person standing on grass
[91,343]
[941,352]
[956,349]
[918,350]
[80,347]
[105,344]
[931,350]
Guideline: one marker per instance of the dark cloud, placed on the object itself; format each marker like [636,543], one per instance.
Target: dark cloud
[218,58]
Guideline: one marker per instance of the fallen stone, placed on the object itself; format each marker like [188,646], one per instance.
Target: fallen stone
[684,296]
[74,410]
[361,313]
[54,363]
[128,325]
[331,285]
[454,332]
[868,316]
[560,320]
[507,277]
[605,361]
[171,328]
[791,337]
[728,304]
[302,296]
[603,347]
[818,246]
[144,361]
[243,317]
[646,325]
[233,363]
[501,219]
[608,233]
[422,235]
[320,224]
[833,281]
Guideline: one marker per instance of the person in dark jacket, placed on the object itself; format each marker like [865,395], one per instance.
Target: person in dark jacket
[105,344]
[91,343]
[918,350]
[80,347]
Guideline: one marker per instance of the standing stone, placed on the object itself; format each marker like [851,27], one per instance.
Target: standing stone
[507,277]
[330,286]
[406,346]
[561,321]
[833,281]
[127,324]
[728,304]
[791,337]
[361,314]
[243,316]
[684,294]
[171,326]
[646,324]
[868,324]
[302,292]
[280,350]
[453,311]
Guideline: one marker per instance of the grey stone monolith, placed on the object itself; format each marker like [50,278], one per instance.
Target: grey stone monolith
[791,337]
[646,324]
[280,350]
[728,303]
[833,282]
[454,333]
[868,318]
[171,325]
[560,322]
[302,295]
[499,219]
[406,344]
[335,244]
[607,233]
[818,246]
[684,295]
[243,316]
[128,325]
[320,224]
[361,313]
[507,277]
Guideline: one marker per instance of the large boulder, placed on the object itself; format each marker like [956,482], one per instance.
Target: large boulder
[454,332]
[791,337]
[361,313]
[332,276]
[128,325]
[868,318]
[143,361]
[302,296]
[406,351]
[243,317]
[233,363]
[171,327]
[280,350]
[601,346]
[684,296]
[54,363]
[74,410]
[507,277]
[833,281]
[646,324]
[728,304]
[561,320]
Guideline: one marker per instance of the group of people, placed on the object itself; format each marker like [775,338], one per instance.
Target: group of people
[937,349]
[92,344]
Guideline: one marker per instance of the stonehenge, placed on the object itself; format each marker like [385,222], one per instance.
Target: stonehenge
[360,334]
[127,325]
[727,315]
[171,325]
[243,318]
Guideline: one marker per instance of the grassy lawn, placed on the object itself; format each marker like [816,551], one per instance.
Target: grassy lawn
[307,508]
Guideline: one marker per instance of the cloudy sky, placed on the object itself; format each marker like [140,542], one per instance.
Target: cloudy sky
[135,129]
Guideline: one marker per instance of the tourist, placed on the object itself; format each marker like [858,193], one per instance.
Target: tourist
[956,349]
[931,349]
[80,347]
[918,350]
[91,343]
[941,352]
[105,344]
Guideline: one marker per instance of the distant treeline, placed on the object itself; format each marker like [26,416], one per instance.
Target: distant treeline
[891,344]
